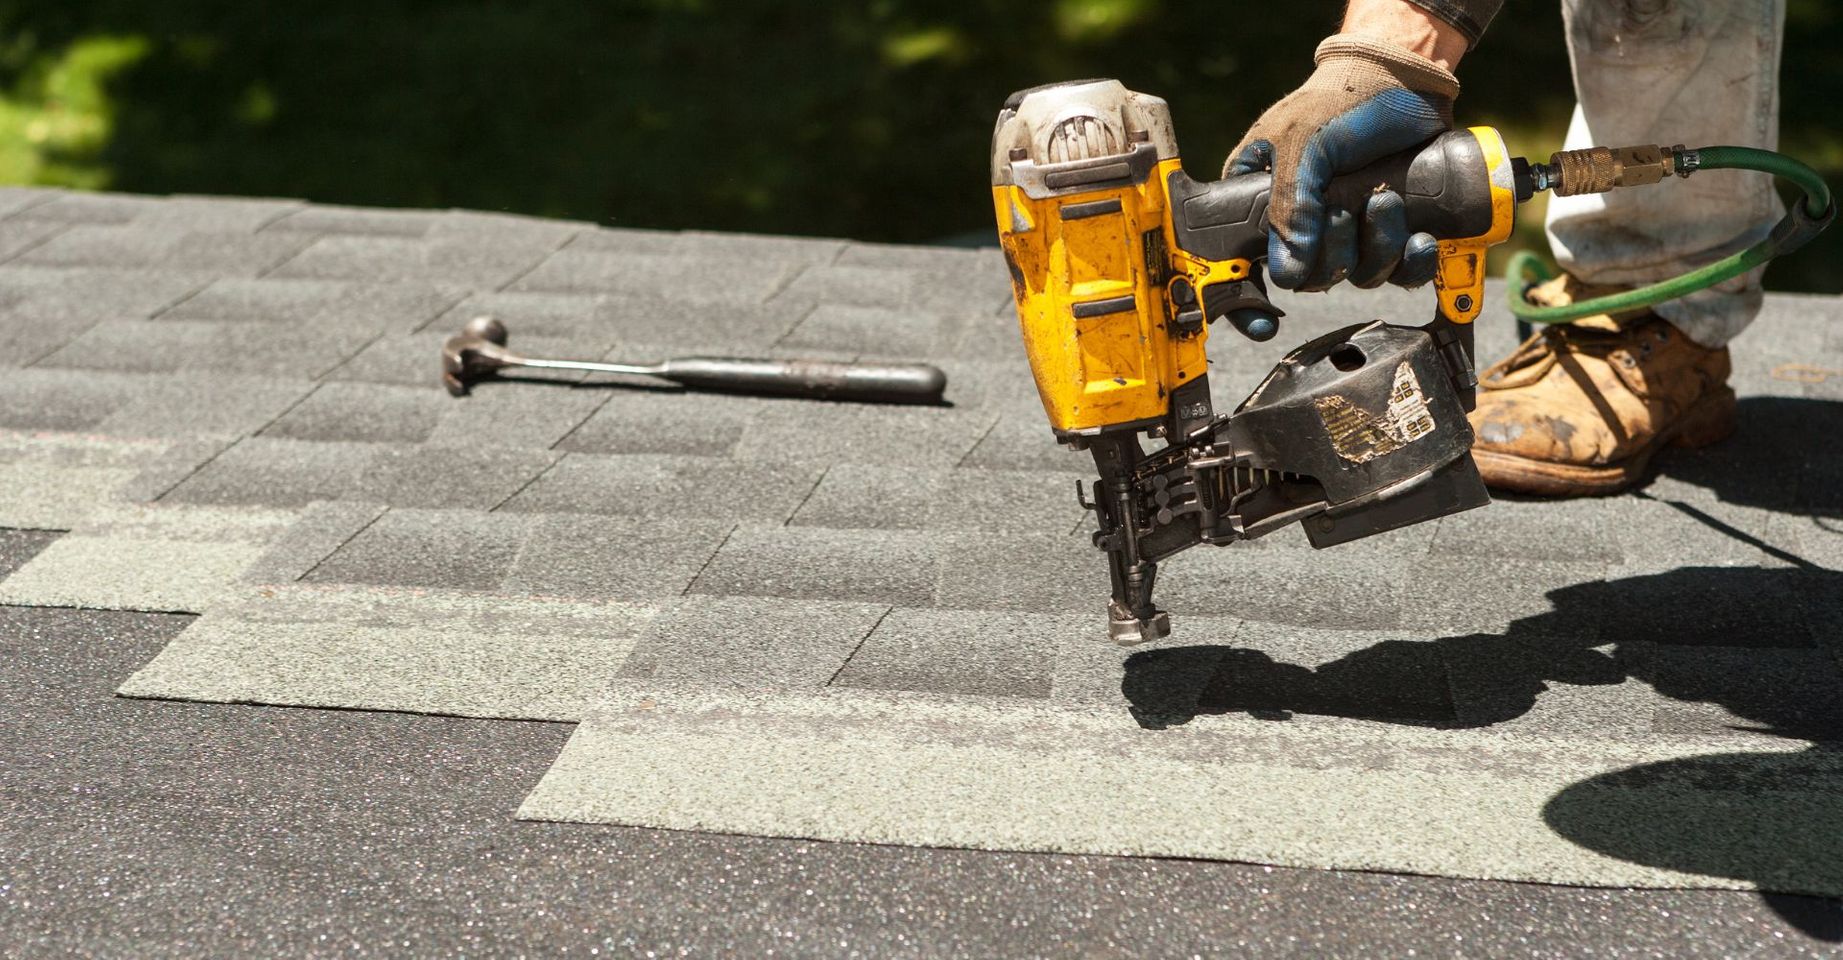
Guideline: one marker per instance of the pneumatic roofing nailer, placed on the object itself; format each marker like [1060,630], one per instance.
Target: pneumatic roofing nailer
[1120,262]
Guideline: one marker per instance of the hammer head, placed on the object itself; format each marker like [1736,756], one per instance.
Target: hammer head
[475,353]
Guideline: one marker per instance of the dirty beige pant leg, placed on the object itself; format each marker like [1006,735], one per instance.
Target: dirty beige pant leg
[1696,72]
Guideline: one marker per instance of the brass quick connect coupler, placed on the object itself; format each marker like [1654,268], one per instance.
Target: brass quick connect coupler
[1599,169]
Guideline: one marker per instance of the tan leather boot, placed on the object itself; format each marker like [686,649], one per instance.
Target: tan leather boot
[1581,408]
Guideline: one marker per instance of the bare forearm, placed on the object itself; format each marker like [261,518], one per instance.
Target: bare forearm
[1421,26]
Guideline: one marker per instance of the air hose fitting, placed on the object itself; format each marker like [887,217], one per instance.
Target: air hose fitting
[1600,169]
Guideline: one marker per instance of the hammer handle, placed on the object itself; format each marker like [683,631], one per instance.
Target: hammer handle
[819,379]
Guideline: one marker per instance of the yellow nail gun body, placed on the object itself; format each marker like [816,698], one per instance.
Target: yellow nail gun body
[1095,324]
[1120,262]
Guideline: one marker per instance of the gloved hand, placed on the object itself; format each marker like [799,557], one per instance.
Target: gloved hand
[1366,100]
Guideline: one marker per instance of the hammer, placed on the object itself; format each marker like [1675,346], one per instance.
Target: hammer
[479,351]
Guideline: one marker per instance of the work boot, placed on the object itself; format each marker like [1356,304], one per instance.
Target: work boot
[1580,408]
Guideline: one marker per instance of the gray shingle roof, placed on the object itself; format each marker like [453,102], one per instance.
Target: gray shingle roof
[233,407]
[189,830]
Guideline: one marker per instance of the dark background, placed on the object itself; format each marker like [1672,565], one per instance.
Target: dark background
[866,120]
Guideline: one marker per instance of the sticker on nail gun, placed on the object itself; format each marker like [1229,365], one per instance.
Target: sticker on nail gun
[1360,436]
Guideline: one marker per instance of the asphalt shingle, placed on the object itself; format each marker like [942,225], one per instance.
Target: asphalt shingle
[821,564]
[20,236]
[15,200]
[397,520]
[890,289]
[874,331]
[212,405]
[1035,572]
[242,214]
[363,413]
[60,399]
[360,221]
[411,359]
[43,309]
[19,546]
[515,415]
[627,240]
[1003,772]
[385,649]
[53,481]
[572,555]
[196,793]
[398,307]
[165,346]
[755,248]
[1154,691]
[897,498]
[48,294]
[668,324]
[1524,530]
[1696,606]
[685,280]
[459,263]
[560,316]
[1721,690]
[862,433]
[668,486]
[90,208]
[223,252]
[466,550]
[1276,671]
[1014,443]
[759,247]
[141,557]
[1288,586]
[177,461]
[993,337]
[478,476]
[273,472]
[751,641]
[971,653]
[323,527]
[662,421]
[1454,596]
[910,257]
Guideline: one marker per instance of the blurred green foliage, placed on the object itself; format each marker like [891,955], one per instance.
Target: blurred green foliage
[56,114]
[867,120]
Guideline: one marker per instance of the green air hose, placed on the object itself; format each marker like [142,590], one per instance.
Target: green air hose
[1801,223]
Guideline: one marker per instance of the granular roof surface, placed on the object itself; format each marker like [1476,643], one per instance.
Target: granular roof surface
[234,479]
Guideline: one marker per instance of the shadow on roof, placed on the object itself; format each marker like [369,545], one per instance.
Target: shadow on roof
[1782,457]
[1766,818]
[1741,648]
[1740,638]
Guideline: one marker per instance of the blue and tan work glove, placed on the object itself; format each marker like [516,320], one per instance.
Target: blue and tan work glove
[1366,100]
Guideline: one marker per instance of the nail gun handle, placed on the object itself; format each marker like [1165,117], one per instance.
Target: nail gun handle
[1457,187]
[1446,185]
[916,383]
